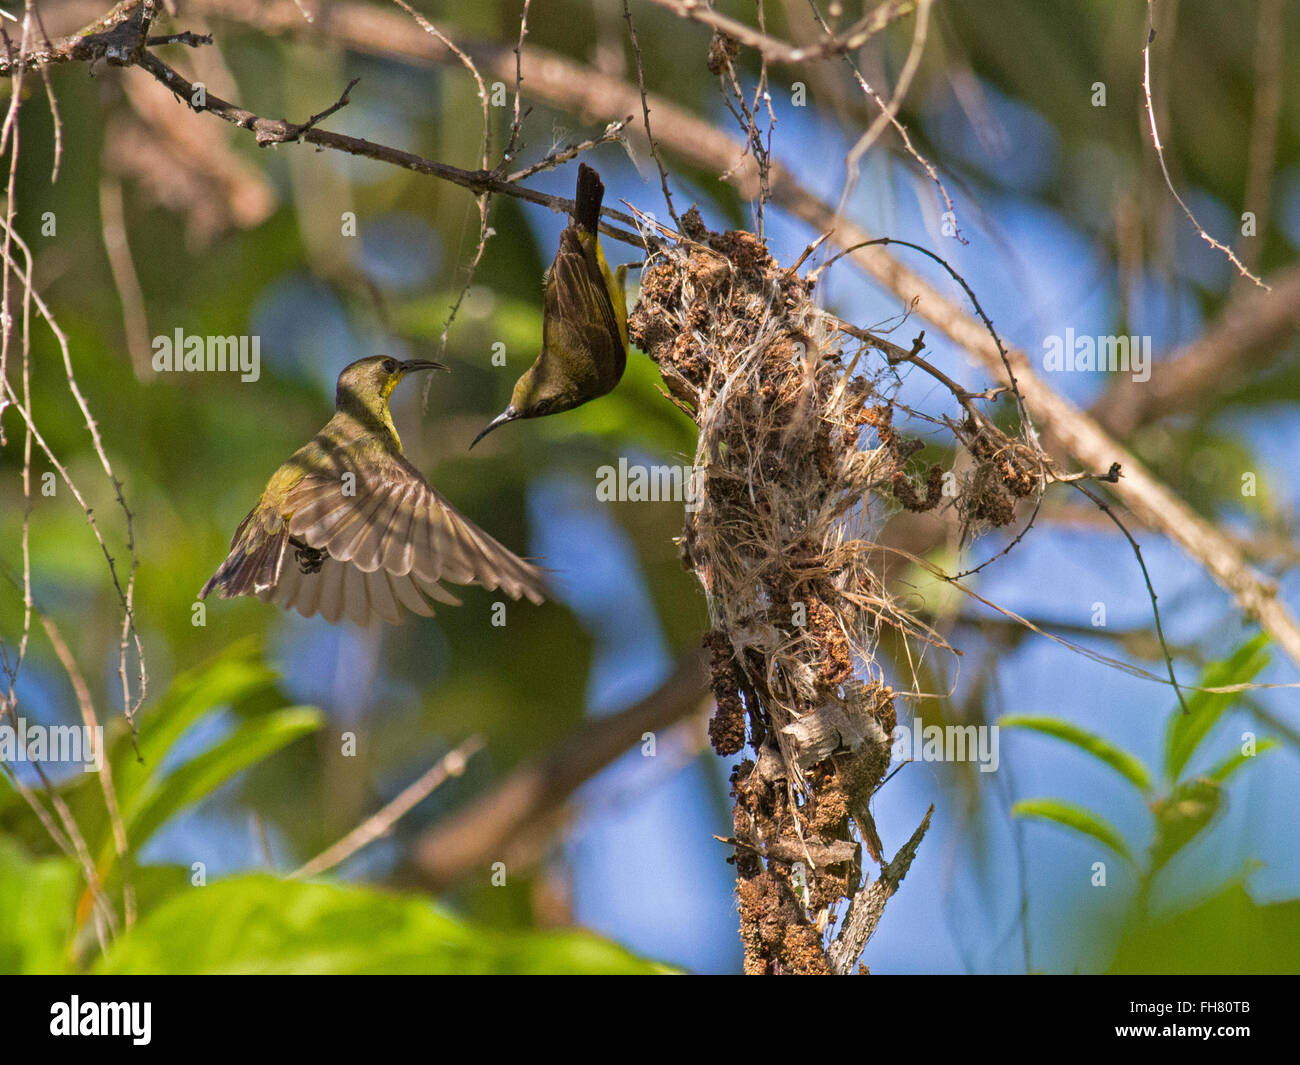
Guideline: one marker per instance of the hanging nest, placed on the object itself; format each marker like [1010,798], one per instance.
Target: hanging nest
[798,464]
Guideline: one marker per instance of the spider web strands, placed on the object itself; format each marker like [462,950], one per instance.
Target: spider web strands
[560,156]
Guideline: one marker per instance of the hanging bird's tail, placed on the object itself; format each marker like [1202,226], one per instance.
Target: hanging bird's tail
[586,218]
[587,200]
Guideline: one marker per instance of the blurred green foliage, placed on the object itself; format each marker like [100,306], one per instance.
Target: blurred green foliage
[242,924]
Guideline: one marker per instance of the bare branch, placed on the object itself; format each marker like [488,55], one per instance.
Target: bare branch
[469,840]
[779,51]
[270,131]
[452,764]
[1244,337]
[868,905]
[117,38]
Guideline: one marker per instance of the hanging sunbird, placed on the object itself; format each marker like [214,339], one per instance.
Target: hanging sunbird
[349,526]
[584,320]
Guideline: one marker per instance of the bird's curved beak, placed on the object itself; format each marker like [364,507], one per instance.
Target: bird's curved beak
[507,415]
[413,365]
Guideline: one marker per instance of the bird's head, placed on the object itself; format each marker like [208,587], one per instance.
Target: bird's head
[365,385]
[543,389]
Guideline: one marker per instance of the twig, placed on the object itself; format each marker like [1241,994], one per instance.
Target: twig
[645,113]
[57,122]
[1079,649]
[889,111]
[868,905]
[746,119]
[781,52]
[1146,576]
[380,824]
[275,131]
[975,303]
[484,197]
[613,132]
[132,702]
[508,152]
[901,129]
[1164,167]
[105,772]
[115,38]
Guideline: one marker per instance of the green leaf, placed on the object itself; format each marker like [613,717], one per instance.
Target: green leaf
[247,745]
[1182,816]
[1229,933]
[1126,765]
[1075,817]
[258,924]
[230,677]
[1232,763]
[1186,730]
[38,898]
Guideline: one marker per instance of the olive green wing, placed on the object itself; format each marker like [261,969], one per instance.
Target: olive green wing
[384,538]
[578,317]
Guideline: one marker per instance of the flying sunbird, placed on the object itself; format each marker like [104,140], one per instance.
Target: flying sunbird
[348,527]
[584,320]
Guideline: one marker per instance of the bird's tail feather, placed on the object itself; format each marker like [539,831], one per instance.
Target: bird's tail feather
[587,200]
[249,568]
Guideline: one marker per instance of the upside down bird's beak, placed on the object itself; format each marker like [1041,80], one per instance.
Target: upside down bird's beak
[507,415]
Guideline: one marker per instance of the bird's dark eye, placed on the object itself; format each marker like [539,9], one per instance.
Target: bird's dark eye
[390,366]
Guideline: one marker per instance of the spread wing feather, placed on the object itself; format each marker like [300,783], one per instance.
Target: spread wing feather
[366,553]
